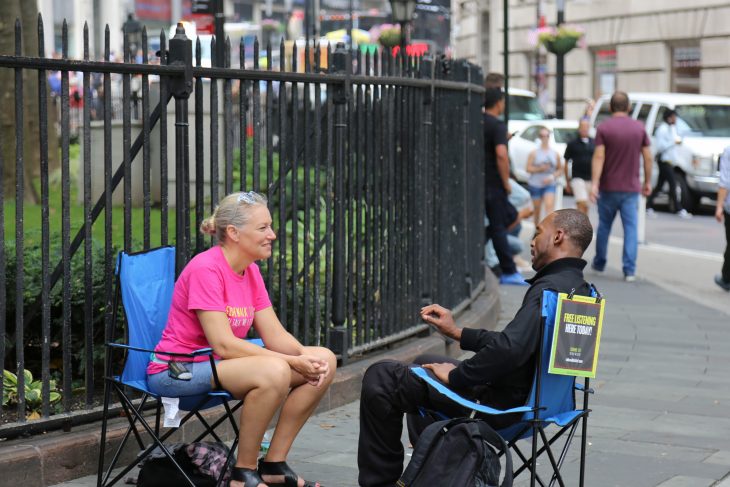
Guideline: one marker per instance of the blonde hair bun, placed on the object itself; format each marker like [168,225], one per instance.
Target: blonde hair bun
[208,226]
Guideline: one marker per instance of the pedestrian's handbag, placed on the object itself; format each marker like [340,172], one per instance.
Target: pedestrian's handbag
[458,453]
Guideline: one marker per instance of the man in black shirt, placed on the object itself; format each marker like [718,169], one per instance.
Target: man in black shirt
[580,152]
[500,374]
[500,212]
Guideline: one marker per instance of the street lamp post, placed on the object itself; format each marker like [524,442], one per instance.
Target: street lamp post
[402,14]
[560,68]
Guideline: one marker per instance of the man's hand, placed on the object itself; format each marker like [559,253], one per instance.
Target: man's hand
[441,371]
[646,188]
[507,187]
[594,192]
[441,318]
[719,213]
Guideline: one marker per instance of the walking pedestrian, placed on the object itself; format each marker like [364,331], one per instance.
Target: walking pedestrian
[722,212]
[620,141]
[580,154]
[544,166]
[500,212]
[667,141]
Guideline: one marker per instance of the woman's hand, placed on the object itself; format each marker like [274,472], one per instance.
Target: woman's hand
[313,369]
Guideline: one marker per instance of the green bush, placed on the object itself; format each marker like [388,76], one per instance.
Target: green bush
[33,392]
[32,286]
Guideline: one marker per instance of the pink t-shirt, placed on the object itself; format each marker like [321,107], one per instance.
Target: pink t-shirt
[623,138]
[208,283]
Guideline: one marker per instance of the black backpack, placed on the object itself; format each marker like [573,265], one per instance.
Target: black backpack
[458,453]
[197,460]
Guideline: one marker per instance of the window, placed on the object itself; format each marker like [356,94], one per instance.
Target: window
[532,133]
[686,69]
[643,113]
[704,120]
[604,112]
[605,71]
[659,118]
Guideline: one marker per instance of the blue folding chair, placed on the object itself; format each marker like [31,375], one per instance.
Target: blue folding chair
[145,282]
[551,402]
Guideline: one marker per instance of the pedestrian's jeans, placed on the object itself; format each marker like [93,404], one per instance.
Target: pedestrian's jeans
[627,204]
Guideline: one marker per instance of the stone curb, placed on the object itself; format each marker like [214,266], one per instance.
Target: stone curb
[56,457]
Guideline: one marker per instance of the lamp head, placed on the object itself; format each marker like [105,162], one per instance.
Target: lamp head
[402,10]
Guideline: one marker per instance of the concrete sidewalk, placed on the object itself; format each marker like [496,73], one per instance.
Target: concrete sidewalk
[660,412]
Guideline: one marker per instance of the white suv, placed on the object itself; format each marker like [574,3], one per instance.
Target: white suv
[704,124]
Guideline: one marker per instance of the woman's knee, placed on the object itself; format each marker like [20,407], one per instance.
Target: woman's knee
[273,373]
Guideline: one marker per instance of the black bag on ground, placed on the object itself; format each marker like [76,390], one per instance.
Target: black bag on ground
[202,463]
[458,453]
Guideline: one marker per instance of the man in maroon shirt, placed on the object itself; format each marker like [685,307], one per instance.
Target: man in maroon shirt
[620,141]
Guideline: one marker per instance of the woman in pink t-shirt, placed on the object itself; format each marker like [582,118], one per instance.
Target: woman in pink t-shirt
[219,295]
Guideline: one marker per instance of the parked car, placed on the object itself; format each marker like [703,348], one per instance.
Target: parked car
[703,123]
[526,140]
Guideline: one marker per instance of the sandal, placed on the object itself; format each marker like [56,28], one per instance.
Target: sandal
[248,476]
[291,479]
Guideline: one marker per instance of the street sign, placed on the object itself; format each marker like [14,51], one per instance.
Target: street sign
[204,6]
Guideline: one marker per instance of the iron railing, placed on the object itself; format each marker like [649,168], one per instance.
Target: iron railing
[372,165]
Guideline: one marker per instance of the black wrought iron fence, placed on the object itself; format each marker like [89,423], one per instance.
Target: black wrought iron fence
[372,165]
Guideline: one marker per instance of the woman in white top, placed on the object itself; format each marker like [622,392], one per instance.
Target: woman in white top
[543,165]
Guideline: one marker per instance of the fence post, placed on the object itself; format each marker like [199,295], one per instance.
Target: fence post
[181,53]
[427,247]
[338,338]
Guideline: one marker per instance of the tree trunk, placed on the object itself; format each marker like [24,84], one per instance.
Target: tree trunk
[27,12]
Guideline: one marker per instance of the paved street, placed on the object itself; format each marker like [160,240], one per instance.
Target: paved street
[660,412]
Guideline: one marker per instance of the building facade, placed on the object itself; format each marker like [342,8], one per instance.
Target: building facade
[630,45]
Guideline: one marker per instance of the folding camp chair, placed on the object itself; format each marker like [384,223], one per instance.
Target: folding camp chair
[145,282]
[551,402]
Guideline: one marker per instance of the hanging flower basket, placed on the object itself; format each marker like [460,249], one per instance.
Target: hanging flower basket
[389,36]
[561,40]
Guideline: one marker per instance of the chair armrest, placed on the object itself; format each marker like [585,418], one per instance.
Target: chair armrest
[202,351]
[128,347]
[442,389]
[581,387]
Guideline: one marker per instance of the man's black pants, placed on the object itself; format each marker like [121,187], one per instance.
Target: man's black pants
[501,215]
[666,174]
[389,390]
[726,263]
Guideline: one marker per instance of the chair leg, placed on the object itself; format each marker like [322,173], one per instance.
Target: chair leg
[231,452]
[156,441]
[564,451]
[554,464]
[583,443]
[102,444]
[526,464]
[533,469]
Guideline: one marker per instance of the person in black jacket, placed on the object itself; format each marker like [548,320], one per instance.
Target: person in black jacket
[580,152]
[500,374]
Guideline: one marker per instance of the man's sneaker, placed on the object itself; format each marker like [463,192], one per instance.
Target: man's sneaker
[722,283]
[515,279]
[650,213]
[630,278]
[684,214]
